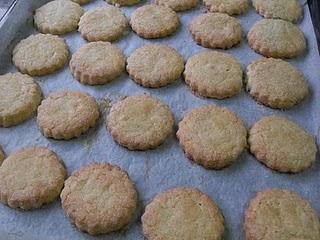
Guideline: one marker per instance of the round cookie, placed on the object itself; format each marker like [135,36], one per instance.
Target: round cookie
[212,136]
[99,198]
[2,156]
[97,63]
[231,7]
[281,214]
[103,24]
[20,96]
[276,83]
[216,30]
[214,74]
[277,38]
[140,122]
[31,177]
[155,65]
[81,2]
[183,213]
[67,114]
[40,54]
[123,2]
[178,5]
[58,17]
[289,10]
[282,145]
[154,21]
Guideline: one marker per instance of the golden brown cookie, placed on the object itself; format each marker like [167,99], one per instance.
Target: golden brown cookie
[2,156]
[155,65]
[178,5]
[31,177]
[123,2]
[81,2]
[99,198]
[183,213]
[281,214]
[231,7]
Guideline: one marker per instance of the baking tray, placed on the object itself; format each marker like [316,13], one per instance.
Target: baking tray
[165,167]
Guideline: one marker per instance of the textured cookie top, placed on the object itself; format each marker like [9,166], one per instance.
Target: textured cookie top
[154,21]
[277,38]
[281,144]
[103,24]
[231,7]
[276,83]
[183,213]
[213,74]
[123,2]
[212,136]
[140,122]
[178,5]
[2,156]
[31,177]
[281,214]
[155,65]
[58,17]
[99,198]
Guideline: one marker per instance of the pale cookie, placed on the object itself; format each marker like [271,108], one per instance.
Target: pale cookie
[276,83]
[2,156]
[277,38]
[31,177]
[231,7]
[66,114]
[212,136]
[154,21]
[140,122]
[216,30]
[81,2]
[103,24]
[58,17]
[183,213]
[213,74]
[282,145]
[97,63]
[281,214]
[289,10]
[123,2]
[40,54]
[20,96]
[155,65]
[178,5]
[99,198]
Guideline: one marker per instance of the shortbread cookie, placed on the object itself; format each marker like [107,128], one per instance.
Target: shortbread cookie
[20,96]
[123,2]
[66,114]
[58,17]
[2,156]
[81,1]
[99,198]
[178,5]
[214,74]
[154,21]
[281,214]
[97,63]
[277,38]
[103,24]
[231,7]
[289,10]
[183,213]
[140,122]
[40,54]
[155,65]
[216,30]
[31,177]
[282,145]
[212,136]
[276,83]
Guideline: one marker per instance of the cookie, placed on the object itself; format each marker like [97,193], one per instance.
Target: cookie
[280,214]
[282,145]
[213,74]
[123,2]
[81,2]
[103,24]
[178,5]
[99,198]
[277,38]
[20,96]
[276,83]
[231,7]
[287,10]
[155,65]
[31,177]
[183,213]
[58,17]
[40,54]
[154,21]
[67,114]
[140,122]
[97,63]
[2,156]
[216,30]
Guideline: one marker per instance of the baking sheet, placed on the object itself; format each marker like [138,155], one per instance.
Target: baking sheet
[165,167]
